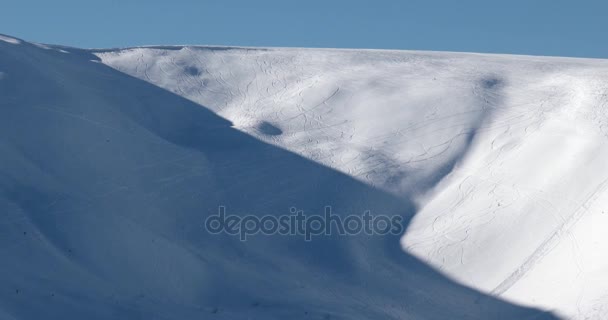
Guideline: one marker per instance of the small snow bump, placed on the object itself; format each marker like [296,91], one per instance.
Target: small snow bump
[490,83]
[193,71]
[9,40]
[41,46]
[45,47]
[268,128]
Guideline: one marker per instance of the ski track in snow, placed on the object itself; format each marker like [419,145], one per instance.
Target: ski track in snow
[550,242]
[495,102]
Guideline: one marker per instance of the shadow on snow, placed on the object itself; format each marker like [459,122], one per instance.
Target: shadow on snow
[106,181]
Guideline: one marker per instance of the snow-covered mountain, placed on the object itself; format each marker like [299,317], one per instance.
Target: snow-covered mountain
[112,160]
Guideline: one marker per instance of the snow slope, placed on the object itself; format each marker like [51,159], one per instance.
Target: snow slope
[111,160]
[504,155]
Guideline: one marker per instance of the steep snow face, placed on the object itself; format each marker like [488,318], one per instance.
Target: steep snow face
[505,156]
[106,180]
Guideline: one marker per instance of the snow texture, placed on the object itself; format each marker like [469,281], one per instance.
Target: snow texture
[109,170]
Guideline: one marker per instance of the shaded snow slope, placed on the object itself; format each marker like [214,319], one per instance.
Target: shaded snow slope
[105,182]
[503,157]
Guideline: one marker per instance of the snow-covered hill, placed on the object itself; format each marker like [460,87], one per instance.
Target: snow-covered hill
[112,159]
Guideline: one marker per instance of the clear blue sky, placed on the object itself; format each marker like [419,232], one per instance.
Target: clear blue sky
[541,27]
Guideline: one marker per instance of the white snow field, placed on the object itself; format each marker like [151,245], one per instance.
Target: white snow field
[112,159]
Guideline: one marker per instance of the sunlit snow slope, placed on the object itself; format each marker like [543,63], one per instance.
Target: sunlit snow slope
[507,156]
[112,159]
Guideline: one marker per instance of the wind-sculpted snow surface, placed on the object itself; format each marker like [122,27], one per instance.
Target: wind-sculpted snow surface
[106,181]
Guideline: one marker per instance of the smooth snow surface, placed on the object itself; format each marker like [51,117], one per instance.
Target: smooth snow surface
[109,170]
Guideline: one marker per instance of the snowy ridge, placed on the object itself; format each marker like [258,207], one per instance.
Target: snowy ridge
[108,173]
